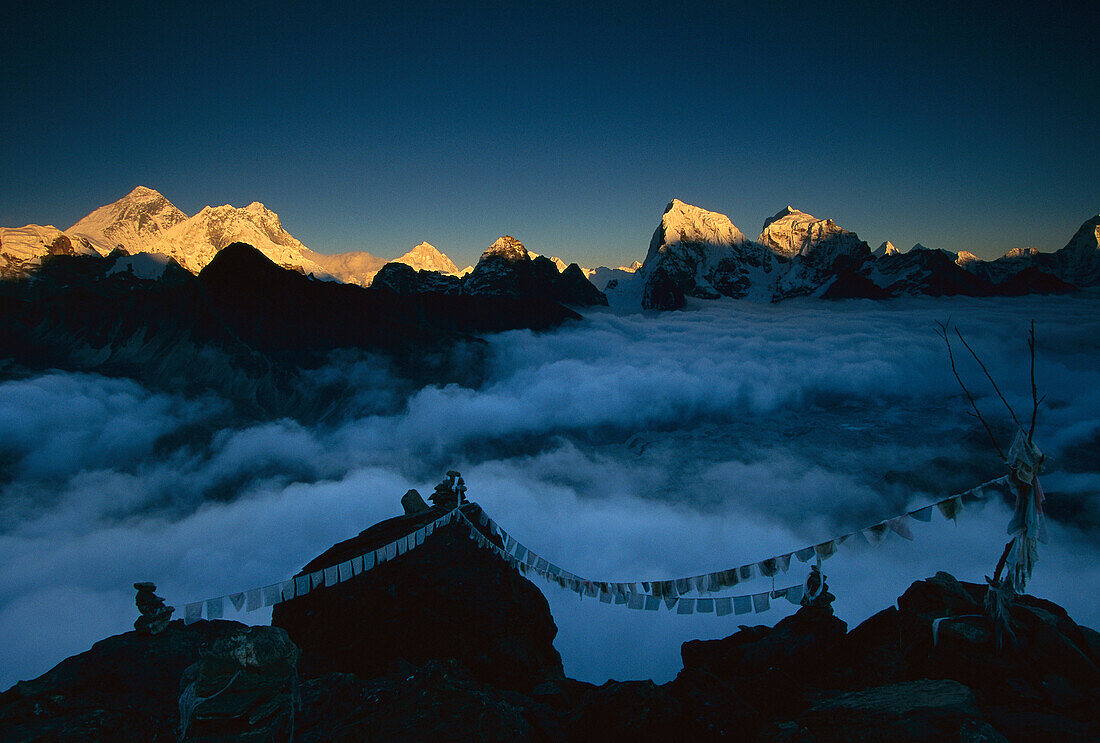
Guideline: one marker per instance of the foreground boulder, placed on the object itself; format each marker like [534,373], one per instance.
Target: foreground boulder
[125,688]
[438,702]
[444,600]
[245,687]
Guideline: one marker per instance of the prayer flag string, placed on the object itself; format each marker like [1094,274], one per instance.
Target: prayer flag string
[649,595]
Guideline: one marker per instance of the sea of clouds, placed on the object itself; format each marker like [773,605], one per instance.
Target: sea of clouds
[622,447]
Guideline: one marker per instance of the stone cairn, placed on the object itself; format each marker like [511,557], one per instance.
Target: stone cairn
[449,493]
[154,614]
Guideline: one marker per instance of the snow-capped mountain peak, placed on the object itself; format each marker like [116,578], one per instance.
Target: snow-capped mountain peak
[793,233]
[965,258]
[684,223]
[134,222]
[507,248]
[783,213]
[195,241]
[426,257]
[887,248]
[1079,260]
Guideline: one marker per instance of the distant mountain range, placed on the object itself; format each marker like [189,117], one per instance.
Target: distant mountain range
[699,253]
[144,221]
[694,253]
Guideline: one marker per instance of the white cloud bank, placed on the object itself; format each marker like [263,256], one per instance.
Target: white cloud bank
[621,447]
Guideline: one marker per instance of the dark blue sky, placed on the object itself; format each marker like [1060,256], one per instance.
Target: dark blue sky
[568,127]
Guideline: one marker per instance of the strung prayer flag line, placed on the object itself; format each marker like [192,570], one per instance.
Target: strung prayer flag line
[524,558]
[629,595]
[300,585]
[716,581]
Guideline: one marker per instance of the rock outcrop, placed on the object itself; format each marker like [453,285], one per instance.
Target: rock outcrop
[125,688]
[507,269]
[402,279]
[445,600]
[243,688]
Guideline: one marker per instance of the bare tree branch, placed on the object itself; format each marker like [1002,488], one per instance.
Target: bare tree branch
[950,355]
[1034,390]
[990,377]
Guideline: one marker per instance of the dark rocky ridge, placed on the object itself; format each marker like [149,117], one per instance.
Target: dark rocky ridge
[504,270]
[253,324]
[447,643]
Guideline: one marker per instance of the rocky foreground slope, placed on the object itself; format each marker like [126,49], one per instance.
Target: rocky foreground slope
[446,642]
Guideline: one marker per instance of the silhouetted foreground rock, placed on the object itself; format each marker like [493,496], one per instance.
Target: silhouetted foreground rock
[445,599]
[445,643]
[245,687]
[125,688]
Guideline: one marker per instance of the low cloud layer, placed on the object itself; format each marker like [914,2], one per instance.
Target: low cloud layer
[621,447]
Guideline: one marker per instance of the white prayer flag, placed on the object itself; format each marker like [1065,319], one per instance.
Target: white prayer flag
[391,550]
[368,561]
[357,565]
[272,594]
[875,534]
[922,514]
[402,545]
[288,590]
[345,571]
[214,608]
[317,578]
[253,599]
[192,612]
[301,585]
[951,507]
[900,526]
